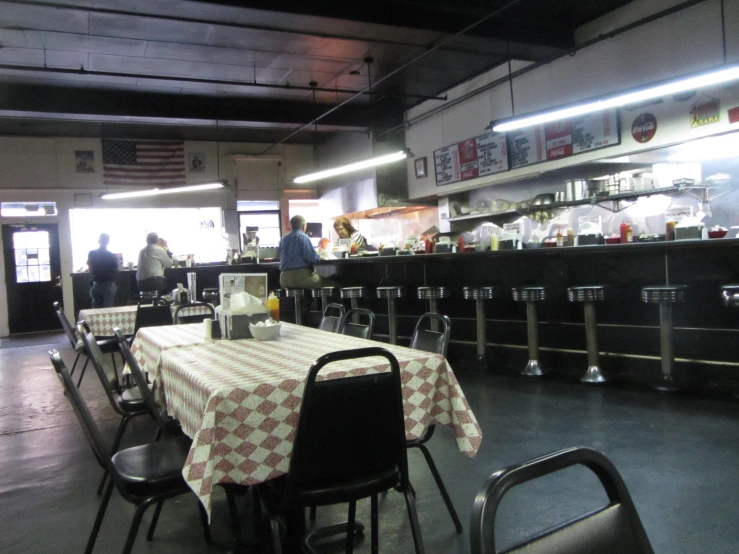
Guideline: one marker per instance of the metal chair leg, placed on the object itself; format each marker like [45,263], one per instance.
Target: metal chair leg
[115,369]
[410,502]
[74,365]
[99,519]
[102,482]
[439,483]
[204,522]
[275,526]
[135,524]
[154,520]
[374,531]
[82,373]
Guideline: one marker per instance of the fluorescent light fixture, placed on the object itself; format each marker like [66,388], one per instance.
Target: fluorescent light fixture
[716,77]
[158,192]
[372,162]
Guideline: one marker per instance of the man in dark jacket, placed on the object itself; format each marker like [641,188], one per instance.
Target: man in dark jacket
[103,270]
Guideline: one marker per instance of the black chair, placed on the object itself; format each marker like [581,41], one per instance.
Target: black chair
[107,346]
[353,329]
[429,340]
[143,475]
[154,315]
[182,320]
[612,529]
[127,403]
[361,454]
[332,323]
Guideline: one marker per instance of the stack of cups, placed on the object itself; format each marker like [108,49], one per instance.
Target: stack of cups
[192,286]
[207,328]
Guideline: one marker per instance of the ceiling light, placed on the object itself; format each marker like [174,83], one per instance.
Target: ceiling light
[158,192]
[372,162]
[715,77]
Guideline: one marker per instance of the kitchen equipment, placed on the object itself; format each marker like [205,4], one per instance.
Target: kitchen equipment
[688,233]
[613,239]
[211,296]
[543,199]
[180,296]
[192,285]
[589,239]
[683,182]
[595,187]
[251,243]
[614,185]
[388,251]
[651,238]
[575,189]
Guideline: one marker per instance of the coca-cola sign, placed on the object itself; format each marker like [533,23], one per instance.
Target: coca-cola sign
[644,127]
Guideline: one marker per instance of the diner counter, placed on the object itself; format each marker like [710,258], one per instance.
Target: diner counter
[706,331]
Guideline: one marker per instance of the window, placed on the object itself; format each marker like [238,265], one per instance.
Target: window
[28,209]
[268,224]
[258,205]
[32,263]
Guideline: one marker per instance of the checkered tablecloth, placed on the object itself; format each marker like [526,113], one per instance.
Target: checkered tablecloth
[240,400]
[150,342]
[102,320]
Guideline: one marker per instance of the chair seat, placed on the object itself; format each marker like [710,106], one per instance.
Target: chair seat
[108,345]
[130,400]
[152,468]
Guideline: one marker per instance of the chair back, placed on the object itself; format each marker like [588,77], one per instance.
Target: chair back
[181,320]
[612,529]
[68,330]
[157,314]
[350,428]
[92,433]
[348,327]
[107,375]
[429,340]
[140,378]
[332,323]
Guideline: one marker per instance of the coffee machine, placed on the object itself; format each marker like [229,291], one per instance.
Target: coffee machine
[251,243]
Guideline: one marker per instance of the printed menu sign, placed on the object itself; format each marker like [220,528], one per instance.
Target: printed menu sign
[562,139]
[470,159]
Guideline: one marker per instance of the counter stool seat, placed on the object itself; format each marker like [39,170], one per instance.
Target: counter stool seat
[390,294]
[432,293]
[325,294]
[588,295]
[279,293]
[531,295]
[479,295]
[298,295]
[665,296]
[730,294]
[351,292]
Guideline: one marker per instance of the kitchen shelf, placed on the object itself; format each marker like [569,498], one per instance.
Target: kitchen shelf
[614,199]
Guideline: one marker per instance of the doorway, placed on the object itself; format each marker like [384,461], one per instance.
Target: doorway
[33,276]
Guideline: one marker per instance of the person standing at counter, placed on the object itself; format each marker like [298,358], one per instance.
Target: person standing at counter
[346,230]
[297,257]
[103,270]
[153,260]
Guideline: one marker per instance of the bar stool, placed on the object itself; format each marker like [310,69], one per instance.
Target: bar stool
[665,296]
[297,294]
[479,295]
[391,293]
[531,295]
[353,294]
[325,294]
[433,294]
[730,294]
[588,296]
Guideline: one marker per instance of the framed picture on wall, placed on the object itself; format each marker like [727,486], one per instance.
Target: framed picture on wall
[421,171]
[196,162]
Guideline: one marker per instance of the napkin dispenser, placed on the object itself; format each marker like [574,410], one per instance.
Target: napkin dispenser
[242,310]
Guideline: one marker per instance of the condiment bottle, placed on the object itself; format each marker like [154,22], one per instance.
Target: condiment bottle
[429,246]
[560,238]
[460,244]
[494,241]
[273,305]
[670,230]
[624,231]
[570,237]
[629,233]
[353,248]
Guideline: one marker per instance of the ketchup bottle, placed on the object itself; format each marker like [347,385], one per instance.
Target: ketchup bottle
[624,230]
[460,244]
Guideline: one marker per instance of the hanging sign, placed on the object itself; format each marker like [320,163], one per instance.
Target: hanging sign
[705,112]
[734,115]
[644,128]
[470,159]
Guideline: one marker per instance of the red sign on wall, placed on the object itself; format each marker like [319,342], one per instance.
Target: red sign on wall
[558,137]
[734,115]
[644,127]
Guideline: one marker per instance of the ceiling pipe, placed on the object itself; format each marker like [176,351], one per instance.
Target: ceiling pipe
[248,26]
[84,72]
[571,52]
[397,70]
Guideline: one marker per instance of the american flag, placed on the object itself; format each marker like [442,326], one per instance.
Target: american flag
[140,162]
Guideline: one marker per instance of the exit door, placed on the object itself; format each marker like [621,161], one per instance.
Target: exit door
[33,276]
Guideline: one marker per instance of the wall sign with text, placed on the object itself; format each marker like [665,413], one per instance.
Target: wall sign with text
[497,152]
[470,159]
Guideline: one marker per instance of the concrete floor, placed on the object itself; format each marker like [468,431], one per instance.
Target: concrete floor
[678,456]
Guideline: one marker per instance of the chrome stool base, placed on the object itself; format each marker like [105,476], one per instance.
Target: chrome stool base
[533,369]
[593,375]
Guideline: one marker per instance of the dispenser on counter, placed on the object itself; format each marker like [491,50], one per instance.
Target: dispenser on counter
[590,230]
[251,244]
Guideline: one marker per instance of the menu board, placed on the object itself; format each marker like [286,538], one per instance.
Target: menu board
[564,138]
[470,159]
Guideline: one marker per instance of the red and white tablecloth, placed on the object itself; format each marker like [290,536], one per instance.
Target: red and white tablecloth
[102,320]
[239,400]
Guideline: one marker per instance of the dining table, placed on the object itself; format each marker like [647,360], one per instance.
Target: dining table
[103,320]
[239,400]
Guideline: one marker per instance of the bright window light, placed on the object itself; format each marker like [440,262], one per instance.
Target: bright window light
[682,85]
[372,162]
[712,148]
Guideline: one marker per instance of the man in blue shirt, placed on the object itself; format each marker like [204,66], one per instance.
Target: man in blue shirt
[297,257]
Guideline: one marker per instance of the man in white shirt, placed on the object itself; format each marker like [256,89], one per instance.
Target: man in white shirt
[153,260]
